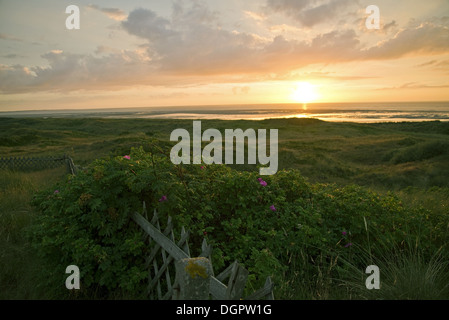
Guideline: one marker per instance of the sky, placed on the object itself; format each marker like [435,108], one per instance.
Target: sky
[140,53]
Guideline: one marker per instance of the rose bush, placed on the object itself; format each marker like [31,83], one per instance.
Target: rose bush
[261,222]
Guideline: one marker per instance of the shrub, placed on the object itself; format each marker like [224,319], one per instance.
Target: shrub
[260,221]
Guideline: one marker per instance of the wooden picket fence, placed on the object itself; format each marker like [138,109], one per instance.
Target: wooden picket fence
[174,274]
[37,163]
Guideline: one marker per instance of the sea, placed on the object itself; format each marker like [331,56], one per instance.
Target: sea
[334,112]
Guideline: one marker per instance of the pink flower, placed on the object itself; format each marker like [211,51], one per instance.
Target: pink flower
[263,183]
[344,233]
[164,198]
[202,167]
[348,245]
[259,179]
[127,157]
[273,208]
[56,192]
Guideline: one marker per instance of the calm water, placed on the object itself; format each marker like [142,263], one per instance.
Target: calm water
[349,112]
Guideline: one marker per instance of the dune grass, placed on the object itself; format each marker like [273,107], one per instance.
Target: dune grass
[388,156]
[405,273]
[19,265]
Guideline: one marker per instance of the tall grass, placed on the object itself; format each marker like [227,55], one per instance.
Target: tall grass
[404,275]
[19,265]
[310,278]
[407,272]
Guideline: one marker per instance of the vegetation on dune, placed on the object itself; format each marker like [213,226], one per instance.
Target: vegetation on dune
[20,267]
[264,223]
[347,195]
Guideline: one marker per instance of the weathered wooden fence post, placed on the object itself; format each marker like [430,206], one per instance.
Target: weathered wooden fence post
[67,162]
[193,276]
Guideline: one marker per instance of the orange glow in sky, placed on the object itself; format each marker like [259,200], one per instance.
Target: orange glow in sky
[175,53]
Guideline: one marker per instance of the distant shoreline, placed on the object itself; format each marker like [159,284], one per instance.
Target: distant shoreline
[343,112]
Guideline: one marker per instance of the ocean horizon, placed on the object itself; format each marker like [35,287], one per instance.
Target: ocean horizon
[334,112]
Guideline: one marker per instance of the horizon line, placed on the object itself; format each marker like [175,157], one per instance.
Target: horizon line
[220,105]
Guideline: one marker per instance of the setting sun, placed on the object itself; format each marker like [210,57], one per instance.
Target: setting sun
[304,93]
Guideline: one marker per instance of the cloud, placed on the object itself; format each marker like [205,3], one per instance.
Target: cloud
[192,47]
[415,85]
[14,78]
[198,12]
[428,63]
[4,36]
[310,13]
[147,24]
[101,49]
[293,6]
[436,65]
[12,56]
[192,42]
[324,12]
[427,38]
[443,64]
[68,72]
[389,26]
[112,13]
[284,28]
[254,15]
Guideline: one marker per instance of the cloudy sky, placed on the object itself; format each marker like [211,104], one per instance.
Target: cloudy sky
[140,53]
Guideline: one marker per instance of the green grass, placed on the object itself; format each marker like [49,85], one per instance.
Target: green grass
[405,273]
[390,156]
[410,159]
[19,265]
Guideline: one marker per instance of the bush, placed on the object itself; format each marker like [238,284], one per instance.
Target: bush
[260,221]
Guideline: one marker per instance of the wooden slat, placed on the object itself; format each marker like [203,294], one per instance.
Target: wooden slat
[226,273]
[206,249]
[160,272]
[265,292]
[185,246]
[145,211]
[217,289]
[156,248]
[158,283]
[165,259]
[156,269]
[163,241]
[237,282]
[169,260]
